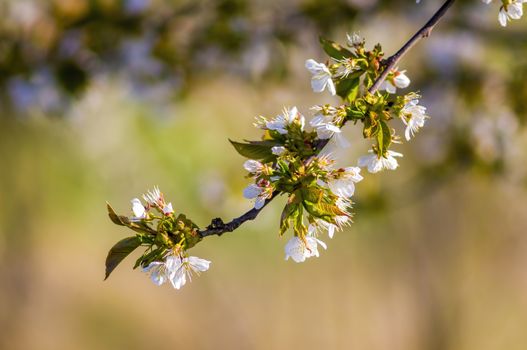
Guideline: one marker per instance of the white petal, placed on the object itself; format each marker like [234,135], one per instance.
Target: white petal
[252,191]
[401,80]
[331,87]
[295,249]
[515,10]
[259,203]
[318,84]
[173,263]
[278,150]
[167,209]
[198,264]
[390,88]
[313,66]
[331,230]
[178,278]
[253,166]
[138,209]
[502,18]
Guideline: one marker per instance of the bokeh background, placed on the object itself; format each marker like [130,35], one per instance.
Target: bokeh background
[101,100]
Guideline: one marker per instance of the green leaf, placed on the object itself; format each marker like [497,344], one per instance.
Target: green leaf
[348,89]
[117,219]
[260,150]
[384,137]
[151,256]
[120,251]
[334,50]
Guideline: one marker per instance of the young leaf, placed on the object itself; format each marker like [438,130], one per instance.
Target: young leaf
[334,50]
[348,88]
[120,251]
[289,213]
[117,219]
[384,137]
[255,149]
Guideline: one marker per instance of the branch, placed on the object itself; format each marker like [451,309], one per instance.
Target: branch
[422,33]
[218,227]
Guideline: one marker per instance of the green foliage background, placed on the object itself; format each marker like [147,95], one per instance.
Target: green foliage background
[435,259]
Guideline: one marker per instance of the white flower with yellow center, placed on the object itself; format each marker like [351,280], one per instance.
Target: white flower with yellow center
[395,79]
[159,272]
[326,129]
[299,250]
[288,117]
[414,117]
[253,166]
[321,79]
[181,268]
[343,184]
[260,193]
[377,163]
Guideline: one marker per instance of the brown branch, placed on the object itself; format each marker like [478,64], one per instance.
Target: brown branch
[422,33]
[218,227]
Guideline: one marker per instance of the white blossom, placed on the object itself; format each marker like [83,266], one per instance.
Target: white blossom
[510,11]
[181,268]
[167,209]
[321,77]
[414,117]
[281,122]
[326,129]
[354,39]
[176,269]
[278,150]
[153,197]
[259,193]
[138,209]
[343,185]
[396,79]
[299,250]
[158,271]
[377,163]
[253,166]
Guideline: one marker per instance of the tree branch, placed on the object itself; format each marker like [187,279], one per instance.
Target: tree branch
[422,33]
[218,227]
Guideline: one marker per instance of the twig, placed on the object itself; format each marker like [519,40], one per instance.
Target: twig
[218,227]
[422,33]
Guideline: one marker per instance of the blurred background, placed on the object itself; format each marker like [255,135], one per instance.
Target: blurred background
[101,100]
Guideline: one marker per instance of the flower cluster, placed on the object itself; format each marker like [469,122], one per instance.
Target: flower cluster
[165,236]
[351,73]
[287,160]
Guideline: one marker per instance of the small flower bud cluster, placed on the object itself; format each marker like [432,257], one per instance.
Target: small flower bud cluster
[167,238]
